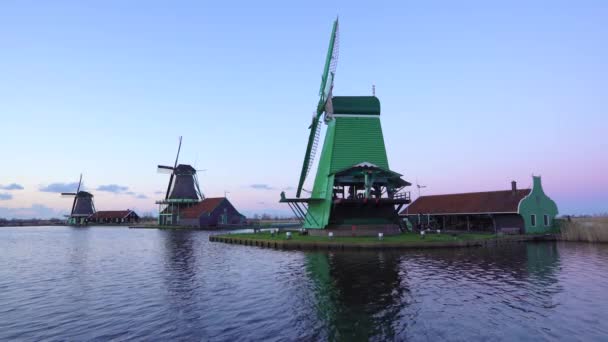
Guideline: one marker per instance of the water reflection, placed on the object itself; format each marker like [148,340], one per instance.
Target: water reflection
[397,295]
[78,255]
[179,261]
[358,294]
[117,284]
[543,261]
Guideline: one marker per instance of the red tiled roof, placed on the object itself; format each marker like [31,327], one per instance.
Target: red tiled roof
[110,214]
[205,206]
[470,203]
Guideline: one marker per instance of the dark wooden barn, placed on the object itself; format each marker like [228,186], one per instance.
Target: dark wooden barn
[114,216]
[478,211]
[211,212]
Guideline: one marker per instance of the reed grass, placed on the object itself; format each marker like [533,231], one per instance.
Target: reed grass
[588,229]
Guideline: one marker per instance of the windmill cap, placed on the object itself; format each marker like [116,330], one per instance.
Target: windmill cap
[359,105]
[185,169]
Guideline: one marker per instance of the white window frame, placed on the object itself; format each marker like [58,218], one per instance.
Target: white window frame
[533,220]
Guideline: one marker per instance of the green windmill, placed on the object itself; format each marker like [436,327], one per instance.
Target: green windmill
[354,189]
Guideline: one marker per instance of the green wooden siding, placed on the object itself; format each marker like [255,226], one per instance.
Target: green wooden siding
[539,204]
[348,141]
[358,140]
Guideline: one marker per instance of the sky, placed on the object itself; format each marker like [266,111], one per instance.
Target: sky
[474,94]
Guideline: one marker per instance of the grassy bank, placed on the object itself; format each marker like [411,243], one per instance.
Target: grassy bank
[589,229]
[403,241]
[406,238]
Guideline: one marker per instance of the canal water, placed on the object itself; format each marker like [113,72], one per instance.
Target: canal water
[61,283]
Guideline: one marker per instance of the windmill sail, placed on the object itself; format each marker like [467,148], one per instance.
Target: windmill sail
[327,81]
[167,168]
[164,169]
[76,197]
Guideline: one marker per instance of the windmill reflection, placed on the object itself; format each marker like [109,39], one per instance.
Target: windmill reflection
[358,294]
[390,295]
[180,263]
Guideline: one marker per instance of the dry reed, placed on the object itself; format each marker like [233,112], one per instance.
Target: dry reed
[588,229]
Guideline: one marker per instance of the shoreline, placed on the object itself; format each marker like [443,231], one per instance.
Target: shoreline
[156,226]
[263,241]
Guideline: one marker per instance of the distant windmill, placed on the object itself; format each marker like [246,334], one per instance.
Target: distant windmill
[82,207]
[183,190]
[419,187]
[183,183]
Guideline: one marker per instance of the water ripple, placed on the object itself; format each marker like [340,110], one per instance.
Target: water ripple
[120,284]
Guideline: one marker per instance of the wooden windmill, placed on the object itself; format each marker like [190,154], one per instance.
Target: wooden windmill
[354,187]
[82,206]
[182,192]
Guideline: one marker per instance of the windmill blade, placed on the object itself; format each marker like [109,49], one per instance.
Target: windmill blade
[164,169]
[331,63]
[314,129]
[79,183]
[327,80]
[198,188]
[73,205]
[178,149]
[169,186]
[68,194]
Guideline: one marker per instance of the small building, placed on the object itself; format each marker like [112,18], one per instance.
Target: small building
[512,211]
[114,216]
[211,212]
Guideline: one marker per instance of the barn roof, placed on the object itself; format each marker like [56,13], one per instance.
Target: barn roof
[111,214]
[468,203]
[203,207]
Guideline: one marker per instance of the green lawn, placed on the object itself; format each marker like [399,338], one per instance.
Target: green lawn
[406,237]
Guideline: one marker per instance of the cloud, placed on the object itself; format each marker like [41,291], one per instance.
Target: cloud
[261,187]
[289,188]
[13,186]
[121,190]
[35,211]
[113,188]
[159,192]
[59,187]
[5,196]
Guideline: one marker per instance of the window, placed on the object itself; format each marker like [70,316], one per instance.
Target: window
[533,220]
[546,219]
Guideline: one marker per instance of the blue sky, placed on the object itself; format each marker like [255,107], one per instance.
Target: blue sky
[474,94]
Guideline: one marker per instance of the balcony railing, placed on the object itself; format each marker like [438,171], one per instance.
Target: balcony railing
[402,195]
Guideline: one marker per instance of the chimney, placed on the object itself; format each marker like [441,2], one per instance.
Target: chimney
[514,187]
